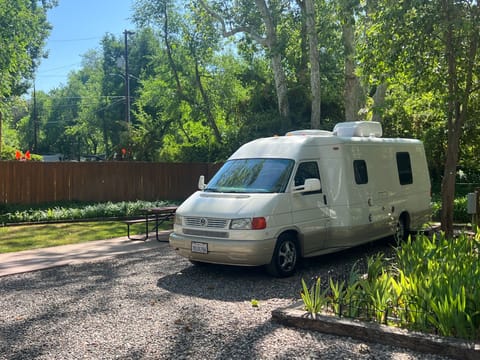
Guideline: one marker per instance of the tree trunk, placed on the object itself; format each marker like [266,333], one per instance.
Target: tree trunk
[315,119]
[448,181]
[0,131]
[277,67]
[458,102]
[206,104]
[379,102]
[453,135]
[353,92]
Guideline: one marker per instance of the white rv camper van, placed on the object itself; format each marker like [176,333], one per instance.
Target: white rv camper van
[308,193]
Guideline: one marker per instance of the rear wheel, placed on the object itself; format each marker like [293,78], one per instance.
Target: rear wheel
[401,231]
[285,257]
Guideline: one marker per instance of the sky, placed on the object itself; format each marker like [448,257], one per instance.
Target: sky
[78,26]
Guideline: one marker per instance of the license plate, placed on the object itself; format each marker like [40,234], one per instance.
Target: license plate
[199,247]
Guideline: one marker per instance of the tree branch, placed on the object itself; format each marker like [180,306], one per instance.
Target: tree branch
[240,29]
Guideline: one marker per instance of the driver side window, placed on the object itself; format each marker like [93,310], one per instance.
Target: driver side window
[306,170]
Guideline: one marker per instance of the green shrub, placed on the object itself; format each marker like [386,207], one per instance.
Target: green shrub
[74,211]
[460,214]
[433,287]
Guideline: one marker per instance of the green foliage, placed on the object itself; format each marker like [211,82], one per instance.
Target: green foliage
[432,286]
[460,214]
[23,30]
[8,153]
[313,299]
[197,96]
[74,211]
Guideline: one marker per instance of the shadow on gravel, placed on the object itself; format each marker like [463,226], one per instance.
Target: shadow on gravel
[243,282]
[50,297]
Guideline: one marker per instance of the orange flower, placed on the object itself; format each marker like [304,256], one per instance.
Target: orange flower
[27,155]
[18,155]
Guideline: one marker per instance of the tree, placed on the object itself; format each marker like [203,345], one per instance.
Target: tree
[434,44]
[112,111]
[308,9]
[353,91]
[259,21]
[23,30]
[184,68]
[88,125]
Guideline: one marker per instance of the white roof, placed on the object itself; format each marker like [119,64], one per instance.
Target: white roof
[296,144]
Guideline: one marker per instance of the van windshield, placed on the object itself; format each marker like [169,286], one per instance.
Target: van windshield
[252,176]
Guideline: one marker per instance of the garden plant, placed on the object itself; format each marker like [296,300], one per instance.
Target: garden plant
[432,285]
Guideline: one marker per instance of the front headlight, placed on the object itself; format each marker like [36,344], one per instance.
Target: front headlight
[257,223]
[178,219]
[241,224]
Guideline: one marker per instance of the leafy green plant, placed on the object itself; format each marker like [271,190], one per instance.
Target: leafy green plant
[314,299]
[338,295]
[460,214]
[431,286]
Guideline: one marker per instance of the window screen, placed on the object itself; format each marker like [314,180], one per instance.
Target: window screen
[404,168]
[360,171]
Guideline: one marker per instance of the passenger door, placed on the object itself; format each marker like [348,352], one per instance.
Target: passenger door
[310,211]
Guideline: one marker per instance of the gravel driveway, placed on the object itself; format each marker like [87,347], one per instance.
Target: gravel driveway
[155,305]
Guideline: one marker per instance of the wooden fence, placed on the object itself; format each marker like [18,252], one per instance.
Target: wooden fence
[41,182]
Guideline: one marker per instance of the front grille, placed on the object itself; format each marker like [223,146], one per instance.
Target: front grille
[206,233]
[206,222]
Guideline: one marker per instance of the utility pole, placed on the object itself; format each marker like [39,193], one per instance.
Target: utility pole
[35,122]
[127,79]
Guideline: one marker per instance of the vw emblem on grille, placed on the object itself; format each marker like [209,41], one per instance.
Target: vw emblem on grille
[203,222]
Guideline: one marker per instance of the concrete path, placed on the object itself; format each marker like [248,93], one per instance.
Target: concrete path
[39,259]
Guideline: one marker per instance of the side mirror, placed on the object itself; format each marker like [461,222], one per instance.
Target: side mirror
[201,183]
[309,185]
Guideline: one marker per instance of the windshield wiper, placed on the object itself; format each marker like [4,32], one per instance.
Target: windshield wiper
[211,190]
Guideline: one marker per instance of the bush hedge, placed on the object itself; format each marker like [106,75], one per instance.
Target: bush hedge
[74,211]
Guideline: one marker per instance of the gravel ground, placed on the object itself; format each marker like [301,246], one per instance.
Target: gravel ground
[156,305]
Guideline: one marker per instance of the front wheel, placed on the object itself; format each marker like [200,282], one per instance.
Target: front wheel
[285,257]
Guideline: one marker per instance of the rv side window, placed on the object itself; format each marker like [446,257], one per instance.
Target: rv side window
[360,171]
[306,170]
[404,168]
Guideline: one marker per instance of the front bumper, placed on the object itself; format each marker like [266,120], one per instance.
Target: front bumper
[225,251]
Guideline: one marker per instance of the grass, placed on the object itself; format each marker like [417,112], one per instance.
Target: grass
[26,237]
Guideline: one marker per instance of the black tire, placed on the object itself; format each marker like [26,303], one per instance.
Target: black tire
[285,257]
[401,230]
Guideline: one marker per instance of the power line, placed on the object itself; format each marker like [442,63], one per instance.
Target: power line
[61,67]
[78,39]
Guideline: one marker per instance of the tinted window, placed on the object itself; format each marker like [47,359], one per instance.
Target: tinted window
[404,168]
[360,171]
[306,170]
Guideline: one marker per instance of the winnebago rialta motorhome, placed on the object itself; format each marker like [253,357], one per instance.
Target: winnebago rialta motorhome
[308,193]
